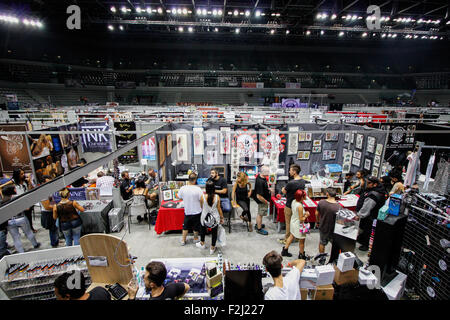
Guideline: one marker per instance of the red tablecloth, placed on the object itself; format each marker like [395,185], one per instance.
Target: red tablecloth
[310,208]
[169,219]
[280,210]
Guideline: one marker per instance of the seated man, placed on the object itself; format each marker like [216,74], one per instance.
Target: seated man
[155,274]
[221,186]
[72,286]
[152,187]
[287,287]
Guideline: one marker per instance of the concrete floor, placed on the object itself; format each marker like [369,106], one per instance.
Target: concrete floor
[242,246]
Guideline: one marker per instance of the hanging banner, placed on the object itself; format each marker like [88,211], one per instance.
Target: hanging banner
[13,149]
[225,138]
[290,103]
[149,149]
[293,141]
[122,140]
[94,140]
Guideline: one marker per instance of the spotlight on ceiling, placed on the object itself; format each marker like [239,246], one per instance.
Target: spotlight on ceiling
[258,13]
[190,29]
[272,31]
[123,9]
[341,34]
[110,27]
[180,29]
[308,33]
[113,9]
[247,13]
[237,30]
[121,28]
[138,9]
[236,13]
[333,16]
[287,31]
[364,34]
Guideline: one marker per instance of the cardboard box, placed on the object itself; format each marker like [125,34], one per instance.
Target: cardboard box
[367,279]
[346,261]
[348,277]
[214,281]
[325,275]
[322,293]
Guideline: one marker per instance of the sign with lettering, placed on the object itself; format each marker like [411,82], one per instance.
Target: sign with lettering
[94,140]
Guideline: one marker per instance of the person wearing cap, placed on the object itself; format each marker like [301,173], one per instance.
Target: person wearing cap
[367,208]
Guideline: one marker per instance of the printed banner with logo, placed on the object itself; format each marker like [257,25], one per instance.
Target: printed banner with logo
[94,140]
[125,139]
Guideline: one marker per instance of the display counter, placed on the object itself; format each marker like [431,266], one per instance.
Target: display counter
[37,271]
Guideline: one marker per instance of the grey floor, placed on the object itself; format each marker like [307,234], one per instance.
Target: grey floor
[242,246]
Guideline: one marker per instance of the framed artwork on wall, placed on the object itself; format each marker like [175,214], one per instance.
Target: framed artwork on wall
[182,147]
[162,152]
[169,144]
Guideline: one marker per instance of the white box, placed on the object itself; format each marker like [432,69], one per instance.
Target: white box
[394,290]
[346,261]
[367,279]
[325,275]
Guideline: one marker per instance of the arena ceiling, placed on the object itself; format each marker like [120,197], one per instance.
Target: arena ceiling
[278,18]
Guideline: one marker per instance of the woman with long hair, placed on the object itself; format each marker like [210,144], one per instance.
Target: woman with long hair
[140,190]
[23,184]
[211,216]
[69,219]
[240,197]
[299,216]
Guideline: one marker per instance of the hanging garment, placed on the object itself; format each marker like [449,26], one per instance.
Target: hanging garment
[441,181]
[411,171]
[428,174]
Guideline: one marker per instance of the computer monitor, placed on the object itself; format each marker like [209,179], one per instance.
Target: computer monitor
[243,285]
[201,182]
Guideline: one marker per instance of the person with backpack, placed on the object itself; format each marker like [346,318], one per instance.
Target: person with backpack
[211,216]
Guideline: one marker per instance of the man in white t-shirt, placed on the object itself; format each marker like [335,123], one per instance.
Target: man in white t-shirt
[191,195]
[287,287]
[104,183]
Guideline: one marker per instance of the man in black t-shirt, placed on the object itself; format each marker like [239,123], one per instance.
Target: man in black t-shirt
[221,186]
[326,218]
[155,274]
[262,198]
[291,188]
[126,188]
[72,286]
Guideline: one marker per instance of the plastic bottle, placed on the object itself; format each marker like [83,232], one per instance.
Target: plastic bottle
[141,277]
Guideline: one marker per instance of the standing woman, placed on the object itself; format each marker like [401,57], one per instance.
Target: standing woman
[23,184]
[69,219]
[139,196]
[211,216]
[240,196]
[299,216]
